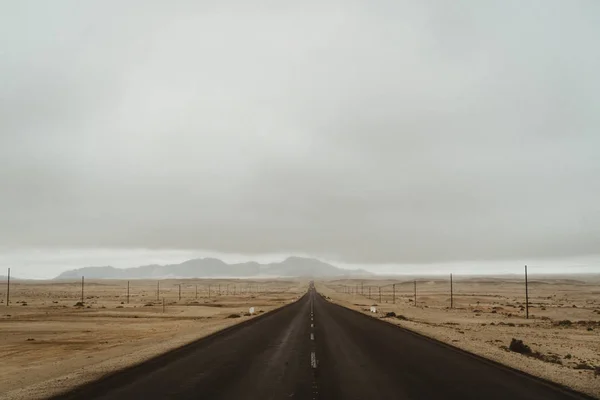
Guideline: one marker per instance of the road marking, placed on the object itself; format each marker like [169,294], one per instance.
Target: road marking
[312,336]
[312,325]
[313,359]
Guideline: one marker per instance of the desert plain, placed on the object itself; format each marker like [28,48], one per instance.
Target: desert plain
[51,341]
[562,333]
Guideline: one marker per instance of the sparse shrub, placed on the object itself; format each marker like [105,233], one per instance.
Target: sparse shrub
[78,304]
[23,303]
[519,347]
[590,329]
[30,339]
[494,312]
[148,305]
[119,307]
[234,316]
[568,356]
[390,314]
[510,324]
[402,317]
[564,322]
[583,365]
[551,358]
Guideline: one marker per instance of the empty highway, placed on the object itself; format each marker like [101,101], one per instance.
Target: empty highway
[313,349]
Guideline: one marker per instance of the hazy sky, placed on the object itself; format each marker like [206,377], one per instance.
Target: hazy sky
[366,132]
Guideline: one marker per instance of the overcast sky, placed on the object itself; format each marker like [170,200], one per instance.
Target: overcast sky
[367,132]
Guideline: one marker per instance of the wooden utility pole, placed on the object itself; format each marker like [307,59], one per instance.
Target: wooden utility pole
[127,292]
[209,291]
[369,292]
[196,292]
[379,294]
[8,289]
[163,305]
[451,293]
[394,293]
[415,293]
[180,292]
[82,284]
[158,291]
[526,295]
[362,291]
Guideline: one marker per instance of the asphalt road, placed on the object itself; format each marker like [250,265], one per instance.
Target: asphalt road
[335,354]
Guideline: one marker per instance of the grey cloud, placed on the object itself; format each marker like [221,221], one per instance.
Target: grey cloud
[383,132]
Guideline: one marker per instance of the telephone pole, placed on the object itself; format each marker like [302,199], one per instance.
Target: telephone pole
[451,293]
[526,295]
[8,289]
[415,293]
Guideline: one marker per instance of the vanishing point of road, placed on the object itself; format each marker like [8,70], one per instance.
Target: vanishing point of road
[313,349]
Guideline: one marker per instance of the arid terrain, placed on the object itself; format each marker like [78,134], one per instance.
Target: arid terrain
[562,332]
[51,342]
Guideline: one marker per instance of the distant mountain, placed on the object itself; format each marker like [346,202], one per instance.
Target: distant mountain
[212,267]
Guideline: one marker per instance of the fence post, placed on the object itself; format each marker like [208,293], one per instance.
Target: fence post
[526,295]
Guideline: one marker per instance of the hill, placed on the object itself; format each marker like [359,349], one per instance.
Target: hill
[213,267]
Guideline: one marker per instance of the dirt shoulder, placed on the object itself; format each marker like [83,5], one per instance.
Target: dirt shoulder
[565,346]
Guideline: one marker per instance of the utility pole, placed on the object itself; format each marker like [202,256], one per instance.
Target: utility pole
[163,305]
[451,293]
[8,289]
[209,291]
[362,292]
[196,292]
[394,293]
[157,291]
[127,292]
[379,294]
[369,292]
[526,295]
[180,292]
[82,289]
[415,293]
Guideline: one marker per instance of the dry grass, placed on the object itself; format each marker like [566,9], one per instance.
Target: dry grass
[52,341]
[489,313]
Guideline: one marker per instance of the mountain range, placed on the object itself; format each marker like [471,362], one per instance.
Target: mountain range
[213,267]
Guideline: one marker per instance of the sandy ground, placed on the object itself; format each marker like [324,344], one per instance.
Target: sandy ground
[50,343]
[489,312]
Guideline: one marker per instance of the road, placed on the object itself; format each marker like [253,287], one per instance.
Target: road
[313,349]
